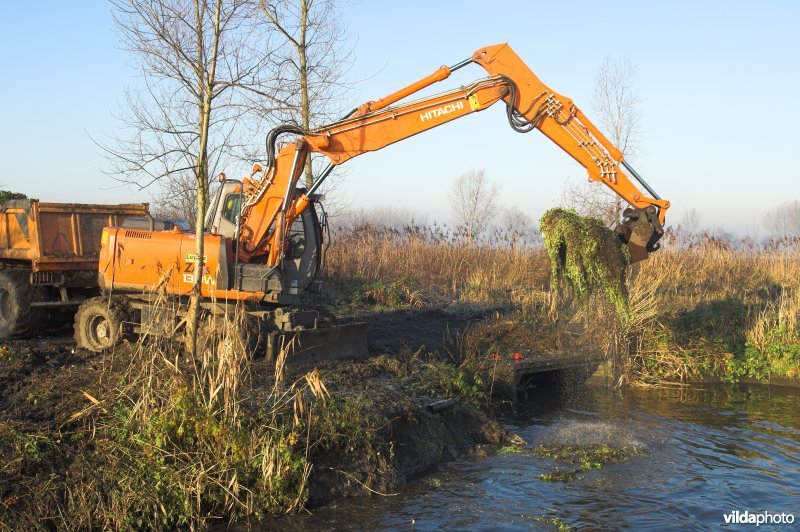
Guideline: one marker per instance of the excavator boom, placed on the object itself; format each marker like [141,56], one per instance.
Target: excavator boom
[271,206]
[264,246]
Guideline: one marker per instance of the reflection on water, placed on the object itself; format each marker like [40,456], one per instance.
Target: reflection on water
[709,451]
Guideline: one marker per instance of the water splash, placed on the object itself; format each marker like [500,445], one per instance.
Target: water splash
[592,433]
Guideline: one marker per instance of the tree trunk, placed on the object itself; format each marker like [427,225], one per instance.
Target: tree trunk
[193,316]
[305,105]
[201,173]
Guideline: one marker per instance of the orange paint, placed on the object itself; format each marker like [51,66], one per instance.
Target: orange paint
[268,213]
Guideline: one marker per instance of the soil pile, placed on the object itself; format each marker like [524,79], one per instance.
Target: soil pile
[77,454]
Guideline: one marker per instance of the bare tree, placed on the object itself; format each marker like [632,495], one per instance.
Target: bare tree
[176,199]
[519,227]
[589,199]
[196,58]
[309,76]
[474,201]
[616,104]
[691,221]
[687,230]
[784,220]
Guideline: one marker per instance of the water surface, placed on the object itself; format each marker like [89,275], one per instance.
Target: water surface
[709,450]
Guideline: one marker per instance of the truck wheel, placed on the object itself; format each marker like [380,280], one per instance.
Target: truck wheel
[100,322]
[16,296]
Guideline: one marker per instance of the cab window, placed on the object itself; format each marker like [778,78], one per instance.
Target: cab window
[232,207]
[213,208]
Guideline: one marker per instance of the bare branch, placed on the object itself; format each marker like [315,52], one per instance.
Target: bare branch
[617,106]
[784,221]
[474,201]
[309,76]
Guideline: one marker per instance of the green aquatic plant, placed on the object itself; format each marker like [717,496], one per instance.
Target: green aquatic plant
[584,457]
[587,254]
[554,522]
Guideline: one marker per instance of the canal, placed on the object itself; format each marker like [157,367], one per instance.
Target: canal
[697,454]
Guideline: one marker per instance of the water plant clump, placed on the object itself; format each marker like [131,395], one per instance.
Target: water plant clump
[584,457]
[587,254]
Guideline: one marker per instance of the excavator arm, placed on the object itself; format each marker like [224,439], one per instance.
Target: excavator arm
[271,204]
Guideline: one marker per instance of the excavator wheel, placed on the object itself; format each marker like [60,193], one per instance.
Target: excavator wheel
[16,296]
[100,322]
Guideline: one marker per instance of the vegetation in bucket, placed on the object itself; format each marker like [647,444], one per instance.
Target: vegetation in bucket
[587,254]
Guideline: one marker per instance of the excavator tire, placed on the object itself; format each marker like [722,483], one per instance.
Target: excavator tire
[100,322]
[16,295]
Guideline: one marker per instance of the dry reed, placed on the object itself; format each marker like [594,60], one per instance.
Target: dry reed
[725,286]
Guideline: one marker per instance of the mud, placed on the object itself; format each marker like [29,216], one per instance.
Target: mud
[394,331]
[42,380]
[46,382]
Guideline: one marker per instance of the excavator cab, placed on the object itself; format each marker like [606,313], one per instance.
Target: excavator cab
[225,209]
[302,258]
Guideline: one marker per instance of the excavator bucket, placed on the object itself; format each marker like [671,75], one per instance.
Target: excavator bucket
[640,230]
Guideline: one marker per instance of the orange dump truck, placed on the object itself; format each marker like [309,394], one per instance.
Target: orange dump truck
[49,257]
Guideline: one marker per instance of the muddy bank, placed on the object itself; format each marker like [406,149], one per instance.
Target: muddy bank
[64,422]
[412,413]
[42,380]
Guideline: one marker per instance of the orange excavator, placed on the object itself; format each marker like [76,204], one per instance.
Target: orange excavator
[264,240]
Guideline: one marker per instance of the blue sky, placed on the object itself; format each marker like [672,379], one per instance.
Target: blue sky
[718,84]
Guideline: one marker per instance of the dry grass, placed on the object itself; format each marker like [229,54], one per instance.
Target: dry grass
[181,441]
[431,259]
[701,307]
[714,311]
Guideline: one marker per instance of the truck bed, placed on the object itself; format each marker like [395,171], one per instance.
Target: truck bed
[53,237]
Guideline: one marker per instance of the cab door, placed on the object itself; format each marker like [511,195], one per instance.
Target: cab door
[226,209]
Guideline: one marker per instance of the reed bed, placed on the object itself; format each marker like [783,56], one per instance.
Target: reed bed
[702,307]
[436,259]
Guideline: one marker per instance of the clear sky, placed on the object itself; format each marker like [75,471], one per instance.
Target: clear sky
[718,85]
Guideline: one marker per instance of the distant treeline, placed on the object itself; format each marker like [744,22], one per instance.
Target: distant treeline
[8,195]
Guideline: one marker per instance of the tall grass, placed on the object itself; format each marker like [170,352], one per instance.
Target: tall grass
[702,307]
[182,441]
[431,257]
[194,438]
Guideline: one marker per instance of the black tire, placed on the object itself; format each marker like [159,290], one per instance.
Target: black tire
[16,295]
[101,323]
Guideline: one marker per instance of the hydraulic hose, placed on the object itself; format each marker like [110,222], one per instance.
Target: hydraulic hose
[272,139]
